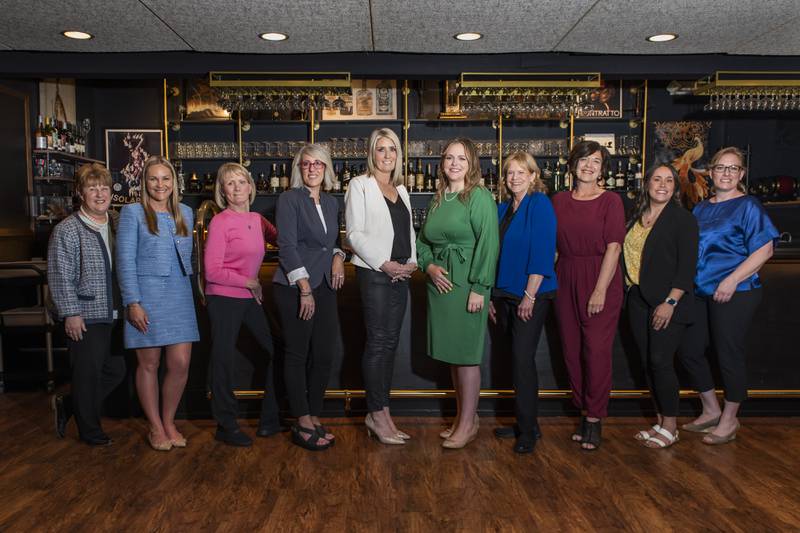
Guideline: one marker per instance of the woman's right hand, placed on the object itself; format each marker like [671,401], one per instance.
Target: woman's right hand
[74,327]
[137,316]
[395,270]
[438,277]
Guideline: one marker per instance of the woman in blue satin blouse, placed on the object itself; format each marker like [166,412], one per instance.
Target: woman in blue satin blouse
[736,239]
[154,262]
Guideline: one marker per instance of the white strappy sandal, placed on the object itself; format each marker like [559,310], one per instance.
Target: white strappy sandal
[671,439]
[644,435]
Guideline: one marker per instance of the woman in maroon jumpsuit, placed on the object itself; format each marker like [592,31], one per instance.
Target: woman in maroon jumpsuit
[590,232]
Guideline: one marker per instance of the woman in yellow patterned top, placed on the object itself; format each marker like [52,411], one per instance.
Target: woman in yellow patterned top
[659,261]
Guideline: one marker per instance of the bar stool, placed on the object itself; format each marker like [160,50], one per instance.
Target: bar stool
[36,316]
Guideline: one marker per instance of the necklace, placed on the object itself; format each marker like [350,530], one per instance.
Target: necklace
[455,195]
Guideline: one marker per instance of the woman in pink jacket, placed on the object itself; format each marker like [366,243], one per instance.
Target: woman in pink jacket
[233,255]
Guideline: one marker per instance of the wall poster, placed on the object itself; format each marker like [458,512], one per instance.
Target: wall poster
[126,152]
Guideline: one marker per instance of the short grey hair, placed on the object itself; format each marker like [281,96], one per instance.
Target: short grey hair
[385,133]
[317,152]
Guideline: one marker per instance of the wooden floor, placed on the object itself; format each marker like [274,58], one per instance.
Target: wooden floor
[47,484]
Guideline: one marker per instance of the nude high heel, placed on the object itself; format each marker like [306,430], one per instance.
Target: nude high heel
[373,432]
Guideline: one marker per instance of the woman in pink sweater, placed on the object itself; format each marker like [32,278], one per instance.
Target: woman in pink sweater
[233,255]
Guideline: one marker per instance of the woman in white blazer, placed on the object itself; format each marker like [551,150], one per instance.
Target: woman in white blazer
[381,234]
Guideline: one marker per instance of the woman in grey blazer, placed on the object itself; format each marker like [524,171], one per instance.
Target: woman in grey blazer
[154,258]
[381,233]
[311,270]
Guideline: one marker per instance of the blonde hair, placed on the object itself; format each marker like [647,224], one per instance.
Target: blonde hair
[318,152]
[228,169]
[173,202]
[472,178]
[385,133]
[733,150]
[92,174]
[526,161]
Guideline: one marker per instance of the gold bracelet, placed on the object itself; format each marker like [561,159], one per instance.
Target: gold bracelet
[528,296]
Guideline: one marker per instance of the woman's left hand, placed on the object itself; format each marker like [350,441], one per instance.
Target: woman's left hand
[597,301]
[525,309]
[475,302]
[337,272]
[662,316]
[725,290]
[258,294]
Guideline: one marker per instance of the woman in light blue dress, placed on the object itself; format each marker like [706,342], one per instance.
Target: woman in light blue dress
[154,252]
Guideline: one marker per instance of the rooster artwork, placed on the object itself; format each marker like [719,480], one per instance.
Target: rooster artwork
[684,143]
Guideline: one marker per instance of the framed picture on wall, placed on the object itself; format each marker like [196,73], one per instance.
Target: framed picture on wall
[604,102]
[202,102]
[126,152]
[367,100]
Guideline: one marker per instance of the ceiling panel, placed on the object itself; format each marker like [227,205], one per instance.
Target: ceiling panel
[117,26]
[234,25]
[703,26]
[784,40]
[507,26]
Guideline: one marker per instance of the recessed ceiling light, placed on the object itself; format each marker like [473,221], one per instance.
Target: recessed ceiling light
[468,36]
[274,36]
[662,37]
[74,34]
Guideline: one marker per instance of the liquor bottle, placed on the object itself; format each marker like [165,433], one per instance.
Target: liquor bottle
[181,178]
[547,176]
[62,136]
[619,178]
[610,180]
[48,133]
[558,180]
[630,178]
[40,141]
[337,183]
[346,175]
[482,182]
[436,178]
[411,177]
[364,101]
[208,183]
[420,182]
[262,185]
[428,179]
[284,181]
[384,98]
[274,179]
[638,178]
[194,184]
[491,181]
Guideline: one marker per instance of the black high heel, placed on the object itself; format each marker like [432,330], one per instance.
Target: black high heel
[311,442]
[592,436]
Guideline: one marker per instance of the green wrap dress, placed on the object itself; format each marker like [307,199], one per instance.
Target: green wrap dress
[462,238]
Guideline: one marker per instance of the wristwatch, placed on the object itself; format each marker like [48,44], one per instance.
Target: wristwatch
[671,301]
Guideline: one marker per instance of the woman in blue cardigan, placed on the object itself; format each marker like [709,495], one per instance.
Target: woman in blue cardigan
[525,285]
[154,262]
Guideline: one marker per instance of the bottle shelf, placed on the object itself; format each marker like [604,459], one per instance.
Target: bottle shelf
[55,154]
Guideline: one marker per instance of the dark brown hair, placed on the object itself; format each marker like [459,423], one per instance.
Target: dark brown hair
[643,198]
[585,149]
[472,178]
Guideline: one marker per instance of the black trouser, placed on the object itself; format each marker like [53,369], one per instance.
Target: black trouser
[96,372]
[308,346]
[384,306]
[725,325]
[657,349]
[227,317]
[524,341]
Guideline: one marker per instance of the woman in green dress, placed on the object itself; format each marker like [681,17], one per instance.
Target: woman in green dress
[458,248]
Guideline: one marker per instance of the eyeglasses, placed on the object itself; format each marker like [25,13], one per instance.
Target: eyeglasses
[305,165]
[722,169]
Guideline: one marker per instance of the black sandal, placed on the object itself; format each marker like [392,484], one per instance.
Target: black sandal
[581,432]
[592,436]
[322,431]
[313,438]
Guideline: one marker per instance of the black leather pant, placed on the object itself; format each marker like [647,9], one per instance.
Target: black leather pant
[384,306]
